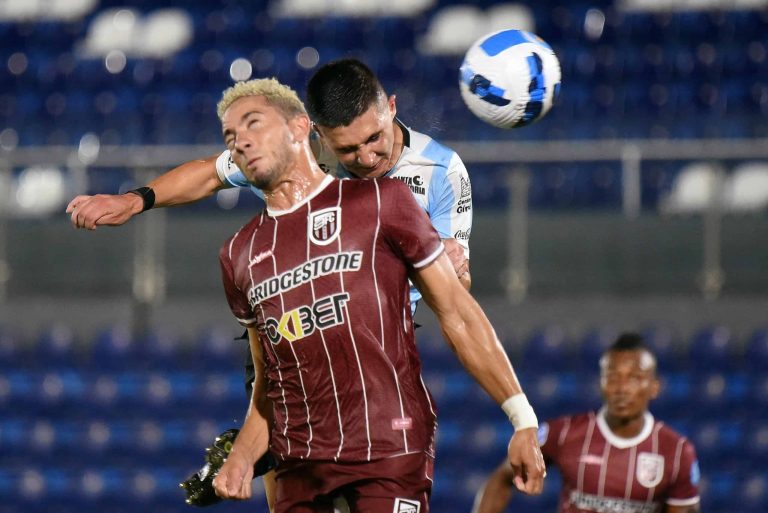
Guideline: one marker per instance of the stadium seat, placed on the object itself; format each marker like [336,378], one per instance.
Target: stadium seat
[115,348]
[56,346]
[13,352]
[548,349]
[592,346]
[756,350]
[713,348]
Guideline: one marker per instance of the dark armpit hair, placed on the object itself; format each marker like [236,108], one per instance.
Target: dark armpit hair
[341,91]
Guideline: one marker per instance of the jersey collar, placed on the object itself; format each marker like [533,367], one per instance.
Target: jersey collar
[320,188]
[624,443]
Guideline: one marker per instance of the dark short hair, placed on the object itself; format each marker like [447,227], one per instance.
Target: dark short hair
[629,342]
[341,91]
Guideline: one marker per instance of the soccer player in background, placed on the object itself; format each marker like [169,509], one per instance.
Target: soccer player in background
[319,280]
[619,458]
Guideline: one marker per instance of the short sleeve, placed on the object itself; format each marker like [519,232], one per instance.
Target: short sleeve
[237,299]
[549,435]
[450,203]
[406,226]
[684,488]
[231,176]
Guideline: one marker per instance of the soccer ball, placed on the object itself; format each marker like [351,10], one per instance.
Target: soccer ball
[510,78]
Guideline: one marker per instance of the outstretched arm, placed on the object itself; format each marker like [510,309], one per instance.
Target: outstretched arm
[471,336]
[494,496]
[187,183]
[235,477]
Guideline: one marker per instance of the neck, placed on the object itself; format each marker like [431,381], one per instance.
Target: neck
[625,427]
[295,184]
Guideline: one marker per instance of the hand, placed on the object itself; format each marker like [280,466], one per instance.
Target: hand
[455,252]
[235,477]
[103,209]
[527,461]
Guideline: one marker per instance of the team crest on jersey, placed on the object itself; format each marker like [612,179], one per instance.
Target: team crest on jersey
[324,225]
[650,469]
[406,506]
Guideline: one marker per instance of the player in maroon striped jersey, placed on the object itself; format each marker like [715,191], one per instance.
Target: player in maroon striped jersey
[619,458]
[319,280]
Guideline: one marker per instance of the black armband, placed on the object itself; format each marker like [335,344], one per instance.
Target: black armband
[147,196]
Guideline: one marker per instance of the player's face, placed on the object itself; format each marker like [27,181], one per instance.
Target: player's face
[366,147]
[628,382]
[259,138]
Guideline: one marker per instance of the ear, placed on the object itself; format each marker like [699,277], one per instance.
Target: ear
[300,127]
[392,104]
[655,388]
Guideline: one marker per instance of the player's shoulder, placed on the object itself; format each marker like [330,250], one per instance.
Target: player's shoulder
[241,237]
[669,434]
[425,149]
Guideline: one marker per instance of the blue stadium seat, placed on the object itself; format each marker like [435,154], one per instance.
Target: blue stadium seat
[592,346]
[724,395]
[56,346]
[712,348]
[218,349]
[115,348]
[756,350]
[13,352]
[548,349]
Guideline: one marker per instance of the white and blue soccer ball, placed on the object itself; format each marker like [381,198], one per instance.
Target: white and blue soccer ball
[510,78]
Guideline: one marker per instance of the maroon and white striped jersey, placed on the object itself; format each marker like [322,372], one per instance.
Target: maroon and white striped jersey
[604,473]
[326,285]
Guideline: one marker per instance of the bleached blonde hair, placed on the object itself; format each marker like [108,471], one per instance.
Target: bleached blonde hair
[278,95]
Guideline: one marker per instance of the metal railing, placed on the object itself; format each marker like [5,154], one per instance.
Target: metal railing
[145,161]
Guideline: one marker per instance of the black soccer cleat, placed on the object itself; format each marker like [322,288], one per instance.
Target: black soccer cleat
[199,486]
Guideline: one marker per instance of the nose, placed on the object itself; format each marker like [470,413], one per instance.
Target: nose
[365,158]
[242,141]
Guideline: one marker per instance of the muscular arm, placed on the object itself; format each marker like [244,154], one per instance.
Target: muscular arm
[471,336]
[187,183]
[460,262]
[494,496]
[235,476]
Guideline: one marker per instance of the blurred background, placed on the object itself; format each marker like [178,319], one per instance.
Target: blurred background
[637,203]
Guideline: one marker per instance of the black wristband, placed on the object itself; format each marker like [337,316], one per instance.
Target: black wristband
[147,196]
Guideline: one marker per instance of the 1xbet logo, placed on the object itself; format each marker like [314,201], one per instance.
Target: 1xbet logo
[304,320]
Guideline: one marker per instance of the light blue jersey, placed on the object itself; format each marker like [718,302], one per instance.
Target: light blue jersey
[435,174]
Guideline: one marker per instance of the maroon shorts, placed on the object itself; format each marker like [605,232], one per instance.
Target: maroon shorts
[400,484]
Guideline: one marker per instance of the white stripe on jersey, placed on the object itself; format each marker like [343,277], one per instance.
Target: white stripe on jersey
[603,470]
[630,473]
[584,451]
[296,358]
[426,394]
[274,352]
[654,450]
[328,357]
[678,458]
[357,355]
[381,315]
[564,432]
